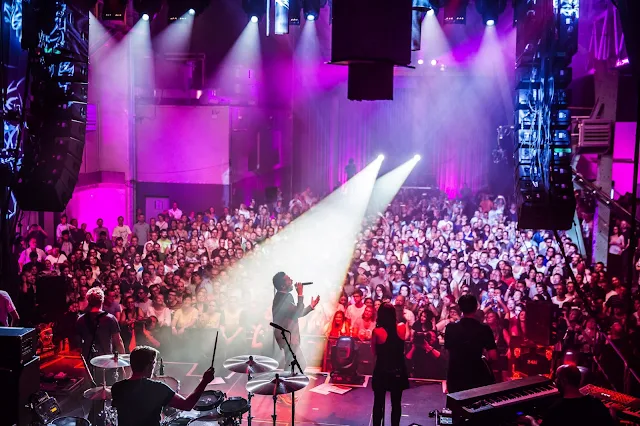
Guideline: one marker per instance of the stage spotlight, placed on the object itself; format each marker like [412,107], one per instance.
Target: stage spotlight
[443,67]
[490,10]
[380,157]
[311,9]
[434,62]
[417,157]
[431,12]
[148,9]
[420,62]
[255,9]
[183,10]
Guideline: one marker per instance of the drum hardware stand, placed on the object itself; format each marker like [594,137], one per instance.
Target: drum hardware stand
[294,363]
[250,394]
[275,400]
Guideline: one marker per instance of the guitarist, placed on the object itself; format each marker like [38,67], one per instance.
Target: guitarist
[466,340]
[99,330]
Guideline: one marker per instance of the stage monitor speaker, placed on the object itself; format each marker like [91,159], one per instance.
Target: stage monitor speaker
[18,384]
[539,322]
[51,297]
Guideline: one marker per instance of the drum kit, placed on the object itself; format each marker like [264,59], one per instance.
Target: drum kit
[213,407]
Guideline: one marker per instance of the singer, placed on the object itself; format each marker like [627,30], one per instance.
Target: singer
[286,313]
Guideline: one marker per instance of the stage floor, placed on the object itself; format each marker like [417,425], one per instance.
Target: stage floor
[350,409]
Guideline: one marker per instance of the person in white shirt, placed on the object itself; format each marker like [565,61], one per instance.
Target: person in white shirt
[161,223]
[175,212]
[24,256]
[144,303]
[63,226]
[355,311]
[123,231]
[159,310]
[8,310]
[56,257]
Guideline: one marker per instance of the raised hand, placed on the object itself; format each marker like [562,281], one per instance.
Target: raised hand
[315,301]
[299,288]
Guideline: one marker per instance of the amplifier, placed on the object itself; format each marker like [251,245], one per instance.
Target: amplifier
[18,346]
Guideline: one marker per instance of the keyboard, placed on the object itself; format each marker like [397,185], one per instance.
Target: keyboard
[503,400]
[627,406]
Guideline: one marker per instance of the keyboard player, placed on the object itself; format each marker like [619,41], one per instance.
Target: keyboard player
[465,340]
[574,409]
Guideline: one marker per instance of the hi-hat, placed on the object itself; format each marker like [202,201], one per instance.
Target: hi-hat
[109,361]
[250,364]
[277,383]
[101,393]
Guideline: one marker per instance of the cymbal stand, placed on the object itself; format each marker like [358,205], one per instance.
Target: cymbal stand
[275,400]
[294,363]
[250,394]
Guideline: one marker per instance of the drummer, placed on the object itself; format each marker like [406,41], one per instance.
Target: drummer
[139,400]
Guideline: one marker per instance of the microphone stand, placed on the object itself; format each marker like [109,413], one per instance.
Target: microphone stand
[294,362]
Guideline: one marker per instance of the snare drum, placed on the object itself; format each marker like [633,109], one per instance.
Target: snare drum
[70,421]
[209,400]
[233,407]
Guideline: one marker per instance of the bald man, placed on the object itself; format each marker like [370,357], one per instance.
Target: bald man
[574,409]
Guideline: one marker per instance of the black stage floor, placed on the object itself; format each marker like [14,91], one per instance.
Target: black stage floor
[352,408]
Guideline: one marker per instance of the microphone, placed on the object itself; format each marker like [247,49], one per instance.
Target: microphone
[161,367]
[308,283]
[277,327]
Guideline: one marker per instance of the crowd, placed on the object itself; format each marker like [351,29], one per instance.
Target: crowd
[170,276]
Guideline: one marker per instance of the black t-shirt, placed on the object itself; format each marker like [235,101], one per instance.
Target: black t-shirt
[465,340]
[579,412]
[105,327]
[139,402]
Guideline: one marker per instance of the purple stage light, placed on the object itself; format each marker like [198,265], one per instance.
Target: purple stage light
[254,19]
[434,62]
[420,62]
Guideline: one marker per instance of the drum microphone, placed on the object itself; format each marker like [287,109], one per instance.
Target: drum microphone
[161,367]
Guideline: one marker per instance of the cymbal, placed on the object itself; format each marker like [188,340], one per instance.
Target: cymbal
[277,383]
[101,393]
[109,361]
[250,364]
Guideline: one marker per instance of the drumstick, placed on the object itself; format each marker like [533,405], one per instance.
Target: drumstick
[215,345]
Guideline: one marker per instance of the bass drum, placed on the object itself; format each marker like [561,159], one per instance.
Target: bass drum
[70,421]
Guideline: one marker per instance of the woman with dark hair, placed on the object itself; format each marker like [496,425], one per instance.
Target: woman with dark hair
[380,292]
[390,371]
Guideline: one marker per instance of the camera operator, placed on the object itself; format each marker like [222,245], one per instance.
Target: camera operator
[425,357]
